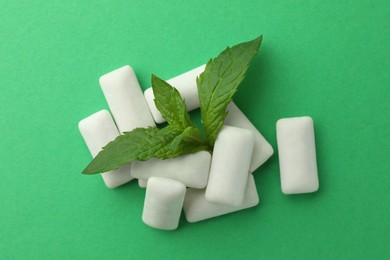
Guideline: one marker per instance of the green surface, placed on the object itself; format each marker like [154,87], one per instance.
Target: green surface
[326,59]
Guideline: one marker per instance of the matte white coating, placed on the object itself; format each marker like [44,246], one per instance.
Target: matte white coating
[190,169]
[97,130]
[230,166]
[142,183]
[297,155]
[197,207]
[186,85]
[125,99]
[163,203]
[262,150]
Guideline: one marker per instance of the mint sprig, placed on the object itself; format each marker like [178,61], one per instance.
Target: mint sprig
[216,87]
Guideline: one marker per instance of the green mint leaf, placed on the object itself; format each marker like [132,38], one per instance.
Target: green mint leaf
[220,81]
[170,104]
[143,144]
[139,144]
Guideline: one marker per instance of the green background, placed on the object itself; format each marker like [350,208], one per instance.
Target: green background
[326,59]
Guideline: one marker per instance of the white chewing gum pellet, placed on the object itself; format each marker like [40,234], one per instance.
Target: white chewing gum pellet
[230,166]
[142,183]
[97,130]
[163,203]
[125,99]
[297,155]
[197,207]
[262,150]
[186,85]
[190,169]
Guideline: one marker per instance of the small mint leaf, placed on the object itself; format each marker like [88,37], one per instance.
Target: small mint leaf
[170,104]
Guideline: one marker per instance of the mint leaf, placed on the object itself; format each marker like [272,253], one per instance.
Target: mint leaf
[220,81]
[143,144]
[170,104]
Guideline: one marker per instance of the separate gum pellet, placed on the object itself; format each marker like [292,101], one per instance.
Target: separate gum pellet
[197,207]
[190,169]
[297,155]
[230,166]
[97,130]
[186,85]
[125,99]
[262,150]
[163,203]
